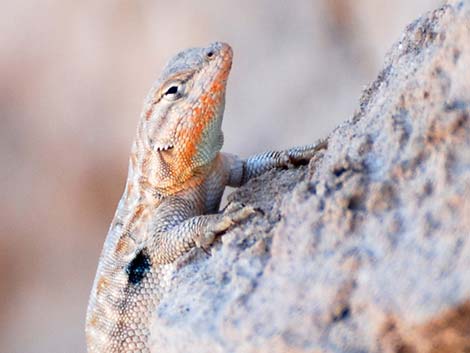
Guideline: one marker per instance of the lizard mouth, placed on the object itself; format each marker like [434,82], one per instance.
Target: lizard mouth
[164,148]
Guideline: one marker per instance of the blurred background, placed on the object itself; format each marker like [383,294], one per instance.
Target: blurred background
[73,75]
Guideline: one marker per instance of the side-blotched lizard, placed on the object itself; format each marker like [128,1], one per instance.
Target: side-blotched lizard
[175,183]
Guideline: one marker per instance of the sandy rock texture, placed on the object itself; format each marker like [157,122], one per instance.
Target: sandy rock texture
[366,249]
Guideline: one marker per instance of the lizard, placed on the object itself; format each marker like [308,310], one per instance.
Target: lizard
[176,177]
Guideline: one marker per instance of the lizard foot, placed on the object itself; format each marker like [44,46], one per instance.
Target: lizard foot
[302,155]
[233,214]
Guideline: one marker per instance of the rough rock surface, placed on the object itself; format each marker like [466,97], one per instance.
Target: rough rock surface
[368,248]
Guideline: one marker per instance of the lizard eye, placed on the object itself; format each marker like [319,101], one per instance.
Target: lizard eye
[173,91]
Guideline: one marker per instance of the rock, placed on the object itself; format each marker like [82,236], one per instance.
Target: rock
[368,248]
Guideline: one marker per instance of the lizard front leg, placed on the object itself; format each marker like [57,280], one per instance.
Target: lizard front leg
[242,170]
[179,237]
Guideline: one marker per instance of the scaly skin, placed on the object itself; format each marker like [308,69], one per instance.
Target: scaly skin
[176,180]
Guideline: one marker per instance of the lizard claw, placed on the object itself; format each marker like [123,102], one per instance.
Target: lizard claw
[205,240]
[239,212]
[205,250]
[302,155]
[233,207]
[259,210]
[234,213]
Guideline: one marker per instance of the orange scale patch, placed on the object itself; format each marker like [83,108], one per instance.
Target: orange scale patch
[101,285]
[148,114]
[138,212]
[122,246]
[93,321]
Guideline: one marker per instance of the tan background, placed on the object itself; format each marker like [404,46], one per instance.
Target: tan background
[72,79]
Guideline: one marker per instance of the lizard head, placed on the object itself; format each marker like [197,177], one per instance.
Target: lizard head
[180,127]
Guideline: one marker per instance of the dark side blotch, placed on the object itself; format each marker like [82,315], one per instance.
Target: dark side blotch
[138,267]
